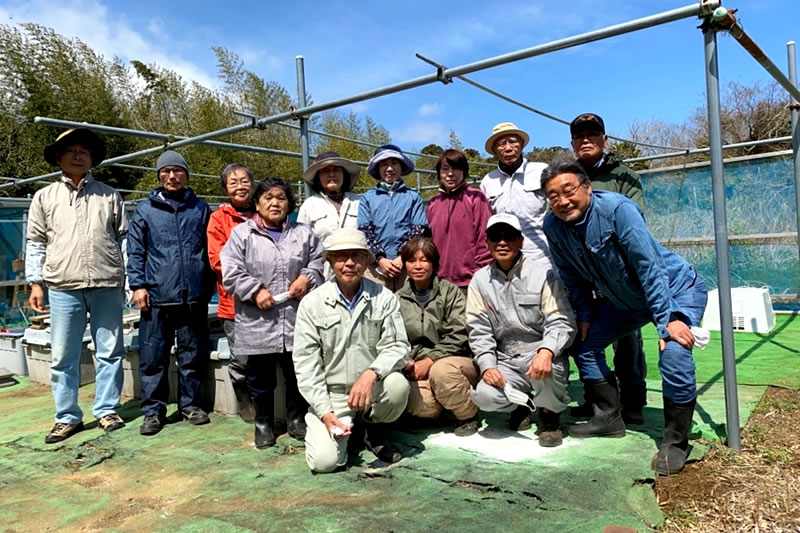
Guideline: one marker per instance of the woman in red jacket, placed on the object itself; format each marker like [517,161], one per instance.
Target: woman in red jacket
[457,218]
[236,181]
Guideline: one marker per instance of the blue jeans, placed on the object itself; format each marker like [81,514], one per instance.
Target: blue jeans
[158,329]
[675,362]
[67,323]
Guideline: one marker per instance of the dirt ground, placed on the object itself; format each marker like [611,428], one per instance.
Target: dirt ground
[757,489]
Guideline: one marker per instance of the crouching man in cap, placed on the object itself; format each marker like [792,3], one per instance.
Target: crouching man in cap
[169,272]
[76,235]
[600,238]
[349,346]
[520,324]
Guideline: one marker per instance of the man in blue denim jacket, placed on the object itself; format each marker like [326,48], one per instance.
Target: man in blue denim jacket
[600,239]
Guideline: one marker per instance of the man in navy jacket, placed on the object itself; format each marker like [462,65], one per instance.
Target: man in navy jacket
[600,239]
[168,271]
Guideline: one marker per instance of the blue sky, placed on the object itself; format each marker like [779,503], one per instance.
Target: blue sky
[351,47]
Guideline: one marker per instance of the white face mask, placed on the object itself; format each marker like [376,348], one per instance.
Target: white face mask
[518,397]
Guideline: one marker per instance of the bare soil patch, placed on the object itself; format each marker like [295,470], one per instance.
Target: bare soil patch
[757,489]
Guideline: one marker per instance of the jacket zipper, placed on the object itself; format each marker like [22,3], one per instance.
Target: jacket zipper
[180,253]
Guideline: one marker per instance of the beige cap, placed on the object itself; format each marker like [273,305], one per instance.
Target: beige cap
[347,239]
[505,128]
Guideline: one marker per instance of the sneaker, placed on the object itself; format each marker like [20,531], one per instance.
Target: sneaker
[465,428]
[152,424]
[196,417]
[110,422]
[62,431]
[520,418]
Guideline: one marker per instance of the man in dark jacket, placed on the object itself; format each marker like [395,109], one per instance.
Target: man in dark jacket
[169,271]
[607,173]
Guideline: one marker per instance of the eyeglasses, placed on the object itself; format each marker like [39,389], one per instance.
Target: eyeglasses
[235,184]
[507,140]
[165,172]
[568,192]
[508,235]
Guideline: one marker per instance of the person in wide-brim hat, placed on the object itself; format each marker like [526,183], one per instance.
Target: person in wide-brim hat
[501,130]
[83,136]
[389,151]
[330,159]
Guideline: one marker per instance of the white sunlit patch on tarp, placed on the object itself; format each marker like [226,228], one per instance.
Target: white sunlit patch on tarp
[501,444]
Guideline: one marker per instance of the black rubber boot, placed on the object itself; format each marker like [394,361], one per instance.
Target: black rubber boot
[264,438]
[244,403]
[296,409]
[376,440]
[584,410]
[671,457]
[550,434]
[607,421]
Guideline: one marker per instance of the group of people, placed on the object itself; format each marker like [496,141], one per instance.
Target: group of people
[374,306]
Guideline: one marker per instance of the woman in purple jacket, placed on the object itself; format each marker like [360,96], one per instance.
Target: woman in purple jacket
[457,218]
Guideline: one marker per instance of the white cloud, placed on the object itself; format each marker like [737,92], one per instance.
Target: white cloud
[420,133]
[107,34]
[429,110]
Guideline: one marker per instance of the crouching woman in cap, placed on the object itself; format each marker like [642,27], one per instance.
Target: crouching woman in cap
[349,346]
[75,239]
[269,264]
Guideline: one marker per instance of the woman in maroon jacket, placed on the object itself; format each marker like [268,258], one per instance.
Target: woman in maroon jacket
[457,218]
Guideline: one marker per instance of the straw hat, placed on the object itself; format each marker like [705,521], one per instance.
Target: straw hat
[347,239]
[388,151]
[329,159]
[84,136]
[505,128]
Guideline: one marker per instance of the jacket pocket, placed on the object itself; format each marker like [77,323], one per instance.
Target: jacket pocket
[327,332]
[612,262]
[529,309]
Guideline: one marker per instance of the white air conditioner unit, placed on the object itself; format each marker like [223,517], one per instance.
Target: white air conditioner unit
[751,308]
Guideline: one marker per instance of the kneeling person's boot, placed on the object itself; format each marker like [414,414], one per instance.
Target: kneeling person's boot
[671,456]
[607,421]
[550,434]
[264,438]
[296,409]
[376,440]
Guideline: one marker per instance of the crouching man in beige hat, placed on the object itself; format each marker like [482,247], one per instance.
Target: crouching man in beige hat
[349,346]
[514,188]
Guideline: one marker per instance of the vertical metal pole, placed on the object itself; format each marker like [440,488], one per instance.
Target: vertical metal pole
[301,102]
[721,240]
[419,183]
[795,145]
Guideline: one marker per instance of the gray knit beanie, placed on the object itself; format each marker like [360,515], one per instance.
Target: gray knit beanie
[171,158]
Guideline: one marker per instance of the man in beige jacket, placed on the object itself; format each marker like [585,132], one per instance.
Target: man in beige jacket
[76,235]
[349,346]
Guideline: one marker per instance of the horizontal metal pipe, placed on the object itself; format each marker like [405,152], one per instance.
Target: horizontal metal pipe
[153,170]
[694,151]
[703,7]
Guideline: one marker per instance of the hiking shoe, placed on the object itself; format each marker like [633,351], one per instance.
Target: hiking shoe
[110,422]
[152,424]
[520,418]
[465,428]
[196,417]
[62,431]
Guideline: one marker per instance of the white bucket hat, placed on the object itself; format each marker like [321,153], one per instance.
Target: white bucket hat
[347,239]
[505,128]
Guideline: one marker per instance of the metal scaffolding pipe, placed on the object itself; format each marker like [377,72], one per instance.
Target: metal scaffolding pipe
[517,103]
[725,20]
[694,151]
[795,141]
[721,238]
[701,8]
[301,101]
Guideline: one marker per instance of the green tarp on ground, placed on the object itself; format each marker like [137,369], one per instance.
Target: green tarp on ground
[210,478]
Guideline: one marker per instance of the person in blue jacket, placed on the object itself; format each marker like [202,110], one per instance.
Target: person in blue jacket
[169,272]
[600,239]
[390,215]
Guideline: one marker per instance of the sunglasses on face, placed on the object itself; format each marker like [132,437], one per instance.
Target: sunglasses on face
[508,235]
